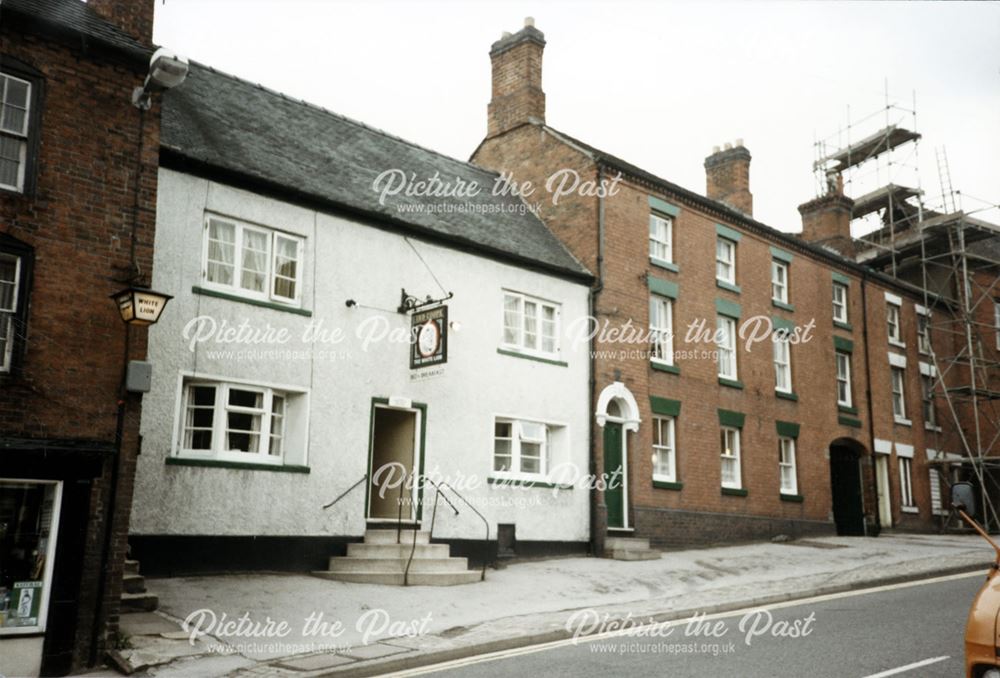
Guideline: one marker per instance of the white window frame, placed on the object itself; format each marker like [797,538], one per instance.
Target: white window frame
[893,316]
[294,398]
[996,321]
[927,401]
[725,342]
[725,264]
[517,435]
[843,359]
[779,285]
[661,234]
[20,135]
[7,356]
[733,456]
[661,329]
[786,461]
[906,483]
[923,331]
[782,363]
[270,275]
[897,377]
[663,424]
[840,306]
[520,345]
[50,557]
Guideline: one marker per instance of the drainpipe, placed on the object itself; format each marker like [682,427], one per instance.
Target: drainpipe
[868,398]
[596,535]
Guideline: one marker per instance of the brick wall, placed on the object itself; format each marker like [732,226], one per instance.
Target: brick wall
[533,152]
[79,221]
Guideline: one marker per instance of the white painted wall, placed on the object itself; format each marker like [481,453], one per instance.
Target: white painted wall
[345,259]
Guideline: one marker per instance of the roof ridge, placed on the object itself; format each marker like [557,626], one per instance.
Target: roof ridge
[344,118]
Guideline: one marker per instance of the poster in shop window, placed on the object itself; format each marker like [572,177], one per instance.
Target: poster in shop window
[25,601]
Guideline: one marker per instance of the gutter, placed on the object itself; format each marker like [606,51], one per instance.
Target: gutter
[596,534]
[724,211]
[868,400]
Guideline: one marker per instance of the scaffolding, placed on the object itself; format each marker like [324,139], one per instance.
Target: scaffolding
[954,258]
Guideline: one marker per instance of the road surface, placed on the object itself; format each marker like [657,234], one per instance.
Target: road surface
[904,630]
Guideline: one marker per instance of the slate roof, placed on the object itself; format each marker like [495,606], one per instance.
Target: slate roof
[226,124]
[780,237]
[74,18]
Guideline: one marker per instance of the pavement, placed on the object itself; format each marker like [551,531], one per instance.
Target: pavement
[284,625]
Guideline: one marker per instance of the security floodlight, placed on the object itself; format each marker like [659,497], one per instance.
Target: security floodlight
[166,70]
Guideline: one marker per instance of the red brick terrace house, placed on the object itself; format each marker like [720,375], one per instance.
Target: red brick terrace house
[78,169]
[718,442]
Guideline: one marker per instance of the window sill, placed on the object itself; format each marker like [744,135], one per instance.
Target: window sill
[253,302]
[782,305]
[730,287]
[522,482]
[897,344]
[239,465]
[909,509]
[664,367]
[735,492]
[847,409]
[849,421]
[786,395]
[667,485]
[901,422]
[666,265]
[528,356]
[929,427]
[731,383]
[839,324]
[794,498]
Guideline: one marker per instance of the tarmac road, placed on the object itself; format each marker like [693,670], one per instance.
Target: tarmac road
[904,630]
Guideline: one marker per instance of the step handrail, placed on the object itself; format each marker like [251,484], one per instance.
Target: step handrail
[346,492]
[486,544]
[413,546]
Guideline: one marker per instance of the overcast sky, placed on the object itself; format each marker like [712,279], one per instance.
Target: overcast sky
[657,84]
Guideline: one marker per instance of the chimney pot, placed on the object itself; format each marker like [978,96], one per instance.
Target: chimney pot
[517,80]
[727,177]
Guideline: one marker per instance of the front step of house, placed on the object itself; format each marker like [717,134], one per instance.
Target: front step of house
[135,598]
[629,548]
[379,559]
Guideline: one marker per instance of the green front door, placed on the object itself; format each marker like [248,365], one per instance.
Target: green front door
[614,497]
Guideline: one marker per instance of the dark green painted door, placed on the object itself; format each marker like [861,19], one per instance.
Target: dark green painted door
[845,484]
[614,497]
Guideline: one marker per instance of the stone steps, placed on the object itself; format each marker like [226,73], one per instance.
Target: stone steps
[398,564]
[629,548]
[381,536]
[365,550]
[135,598]
[396,578]
[139,602]
[379,559]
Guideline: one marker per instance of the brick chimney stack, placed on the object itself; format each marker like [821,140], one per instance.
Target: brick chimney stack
[826,220]
[517,79]
[134,17]
[727,177]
